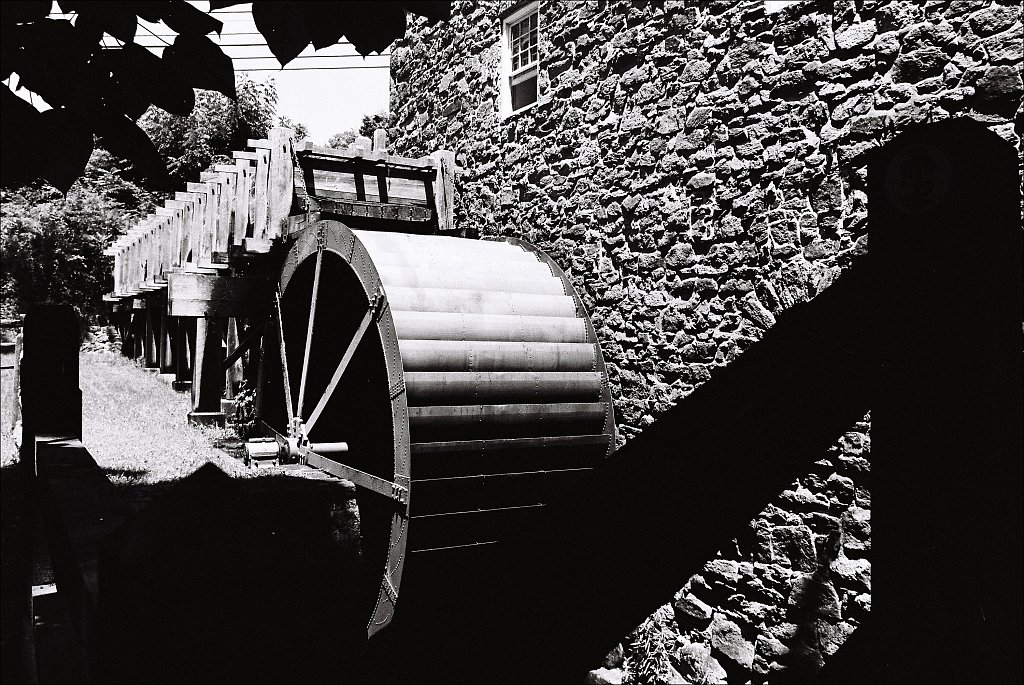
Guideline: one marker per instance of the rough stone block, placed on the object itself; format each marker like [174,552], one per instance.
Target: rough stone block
[691,613]
[857,35]
[727,640]
[813,595]
[605,676]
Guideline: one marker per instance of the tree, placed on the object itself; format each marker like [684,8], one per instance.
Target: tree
[300,129]
[216,126]
[95,90]
[52,243]
[341,140]
[369,124]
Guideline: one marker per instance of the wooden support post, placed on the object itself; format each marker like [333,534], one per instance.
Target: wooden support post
[152,333]
[168,333]
[184,350]
[124,324]
[234,372]
[444,190]
[207,376]
[138,326]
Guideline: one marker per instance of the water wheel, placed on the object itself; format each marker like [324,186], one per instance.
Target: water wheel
[458,382]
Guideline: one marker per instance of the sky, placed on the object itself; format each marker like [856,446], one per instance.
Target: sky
[327,100]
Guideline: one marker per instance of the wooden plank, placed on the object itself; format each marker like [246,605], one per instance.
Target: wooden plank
[380,140]
[260,144]
[259,198]
[395,212]
[299,222]
[190,204]
[280,183]
[240,207]
[444,190]
[257,245]
[361,146]
[309,149]
[244,154]
[198,294]
[229,180]
[490,421]
[342,184]
[201,227]
[215,211]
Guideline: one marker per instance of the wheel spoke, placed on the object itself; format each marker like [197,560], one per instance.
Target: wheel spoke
[309,332]
[284,358]
[342,365]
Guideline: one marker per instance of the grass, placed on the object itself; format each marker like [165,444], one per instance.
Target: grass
[136,426]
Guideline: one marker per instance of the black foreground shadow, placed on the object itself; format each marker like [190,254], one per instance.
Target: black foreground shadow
[215,582]
[925,333]
[221,580]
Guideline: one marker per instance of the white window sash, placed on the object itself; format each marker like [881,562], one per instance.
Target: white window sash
[525,71]
[518,73]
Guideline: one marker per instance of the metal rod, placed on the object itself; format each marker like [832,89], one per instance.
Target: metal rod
[309,331]
[363,479]
[328,447]
[284,358]
[342,365]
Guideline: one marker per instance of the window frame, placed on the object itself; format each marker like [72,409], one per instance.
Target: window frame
[510,78]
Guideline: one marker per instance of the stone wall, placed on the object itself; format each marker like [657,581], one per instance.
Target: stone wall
[696,169]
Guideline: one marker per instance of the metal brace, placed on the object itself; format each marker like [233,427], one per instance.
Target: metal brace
[377,303]
[389,588]
[321,237]
[400,491]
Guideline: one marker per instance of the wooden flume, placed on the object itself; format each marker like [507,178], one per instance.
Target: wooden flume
[459,383]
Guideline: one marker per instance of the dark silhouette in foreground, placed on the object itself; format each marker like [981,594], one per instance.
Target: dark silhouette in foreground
[215,583]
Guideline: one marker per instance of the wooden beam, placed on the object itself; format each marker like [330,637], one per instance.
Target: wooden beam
[444,190]
[196,294]
[280,183]
[376,210]
[259,198]
[309,149]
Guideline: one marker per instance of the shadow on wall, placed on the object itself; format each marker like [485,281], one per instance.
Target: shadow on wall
[925,332]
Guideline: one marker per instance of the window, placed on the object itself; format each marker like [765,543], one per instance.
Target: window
[520,58]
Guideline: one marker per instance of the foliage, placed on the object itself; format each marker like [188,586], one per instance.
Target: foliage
[300,129]
[52,244]
[341,140]
[369,124]
[216,126]
[102,91]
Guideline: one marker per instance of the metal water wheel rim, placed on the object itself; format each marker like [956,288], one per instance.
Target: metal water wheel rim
[336,238]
